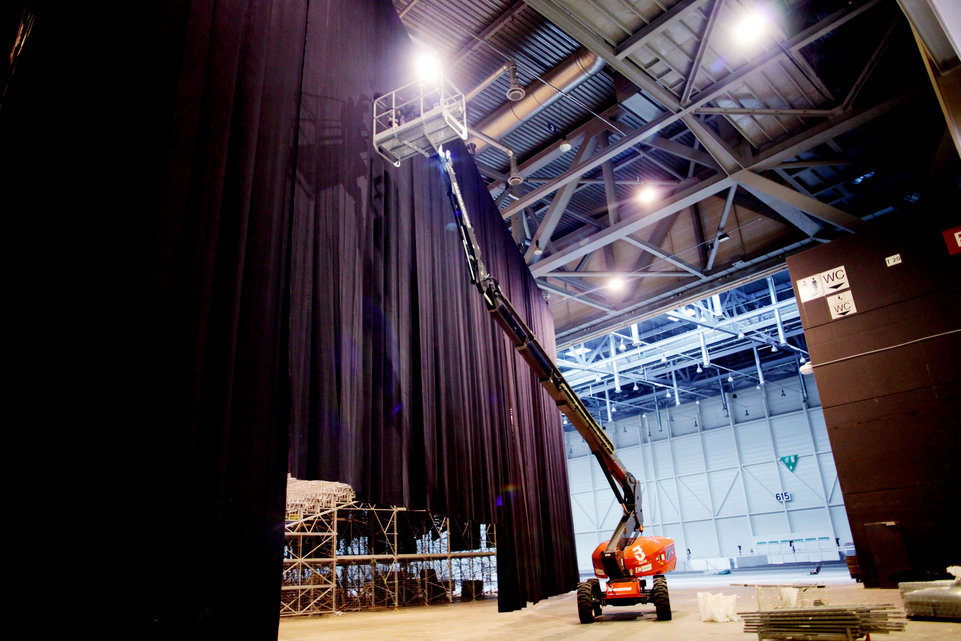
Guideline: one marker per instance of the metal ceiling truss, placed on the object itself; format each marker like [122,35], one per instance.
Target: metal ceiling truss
[760,150]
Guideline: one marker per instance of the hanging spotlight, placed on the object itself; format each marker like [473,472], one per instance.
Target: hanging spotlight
[565,145]
[428,68]
[616,284]
[635,386]
[622,346]
[667,394]
[740,334]
[515,91]
[802,359]
[647,194]
[697,402]
[773,348]
[699,370]
[538,250]
[663,358]
[514,178]
[613,409]
[730,378]
[751,27]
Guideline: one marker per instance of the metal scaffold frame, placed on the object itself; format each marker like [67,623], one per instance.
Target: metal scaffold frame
[343,555]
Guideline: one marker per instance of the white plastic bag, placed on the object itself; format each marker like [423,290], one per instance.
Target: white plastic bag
[717,607]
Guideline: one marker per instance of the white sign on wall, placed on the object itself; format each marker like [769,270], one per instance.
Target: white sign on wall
[818,285]
[810,288]
[841,305]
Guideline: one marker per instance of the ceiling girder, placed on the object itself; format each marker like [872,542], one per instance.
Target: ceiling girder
[679,201]
[559,203]
[764,187]
[663,255]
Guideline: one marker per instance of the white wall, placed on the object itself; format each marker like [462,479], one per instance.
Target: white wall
[714,486]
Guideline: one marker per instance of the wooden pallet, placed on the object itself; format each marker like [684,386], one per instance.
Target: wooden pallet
[842,623]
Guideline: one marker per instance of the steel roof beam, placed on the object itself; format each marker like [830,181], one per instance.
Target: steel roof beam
[663,255]
[701,50]
[637,40]
[559,203]
[764,188]
[627,227]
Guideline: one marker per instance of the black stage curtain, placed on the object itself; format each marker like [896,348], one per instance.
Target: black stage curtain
[231,286]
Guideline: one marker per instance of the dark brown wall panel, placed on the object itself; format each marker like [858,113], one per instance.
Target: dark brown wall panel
[888,376]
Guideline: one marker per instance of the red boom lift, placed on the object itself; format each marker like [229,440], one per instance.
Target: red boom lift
[627,557]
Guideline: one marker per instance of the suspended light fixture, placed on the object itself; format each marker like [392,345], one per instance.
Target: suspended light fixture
[647,194]
[428,68]
[663,358]
[538,250]
[730,378]
[699,370]
[622,346]
[514,178]
[751,27]
[565,145]
[515,91]
[635,386]
[802,359]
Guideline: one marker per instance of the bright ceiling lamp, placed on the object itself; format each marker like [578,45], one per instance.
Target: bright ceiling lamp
[647,194]
[752,26]
[428,67]
[616,284]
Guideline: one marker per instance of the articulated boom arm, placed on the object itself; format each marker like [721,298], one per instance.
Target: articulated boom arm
[622,482]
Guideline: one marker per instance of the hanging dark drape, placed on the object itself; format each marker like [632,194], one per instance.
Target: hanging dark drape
[402,385]
[240,287]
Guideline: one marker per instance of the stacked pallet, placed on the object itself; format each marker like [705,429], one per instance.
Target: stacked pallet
[842,623]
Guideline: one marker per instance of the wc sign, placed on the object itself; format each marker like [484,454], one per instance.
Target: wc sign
[823,284]
[841,305]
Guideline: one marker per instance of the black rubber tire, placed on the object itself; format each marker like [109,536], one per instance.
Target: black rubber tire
[596,595]
[585,602]
[661,598]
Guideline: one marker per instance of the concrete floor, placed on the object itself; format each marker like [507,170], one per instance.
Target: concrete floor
[556,618]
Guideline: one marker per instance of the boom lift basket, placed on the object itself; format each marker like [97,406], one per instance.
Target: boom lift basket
[417,119]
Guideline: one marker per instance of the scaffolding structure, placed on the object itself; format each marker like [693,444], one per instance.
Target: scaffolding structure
[343,555]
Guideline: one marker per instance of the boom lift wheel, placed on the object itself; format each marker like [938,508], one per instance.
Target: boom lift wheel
[661,599]
[596,595]
[585,602]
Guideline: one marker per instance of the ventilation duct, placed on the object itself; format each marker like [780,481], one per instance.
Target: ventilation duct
[572,71]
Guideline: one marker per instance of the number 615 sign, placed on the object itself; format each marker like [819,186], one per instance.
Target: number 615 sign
[783,497]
